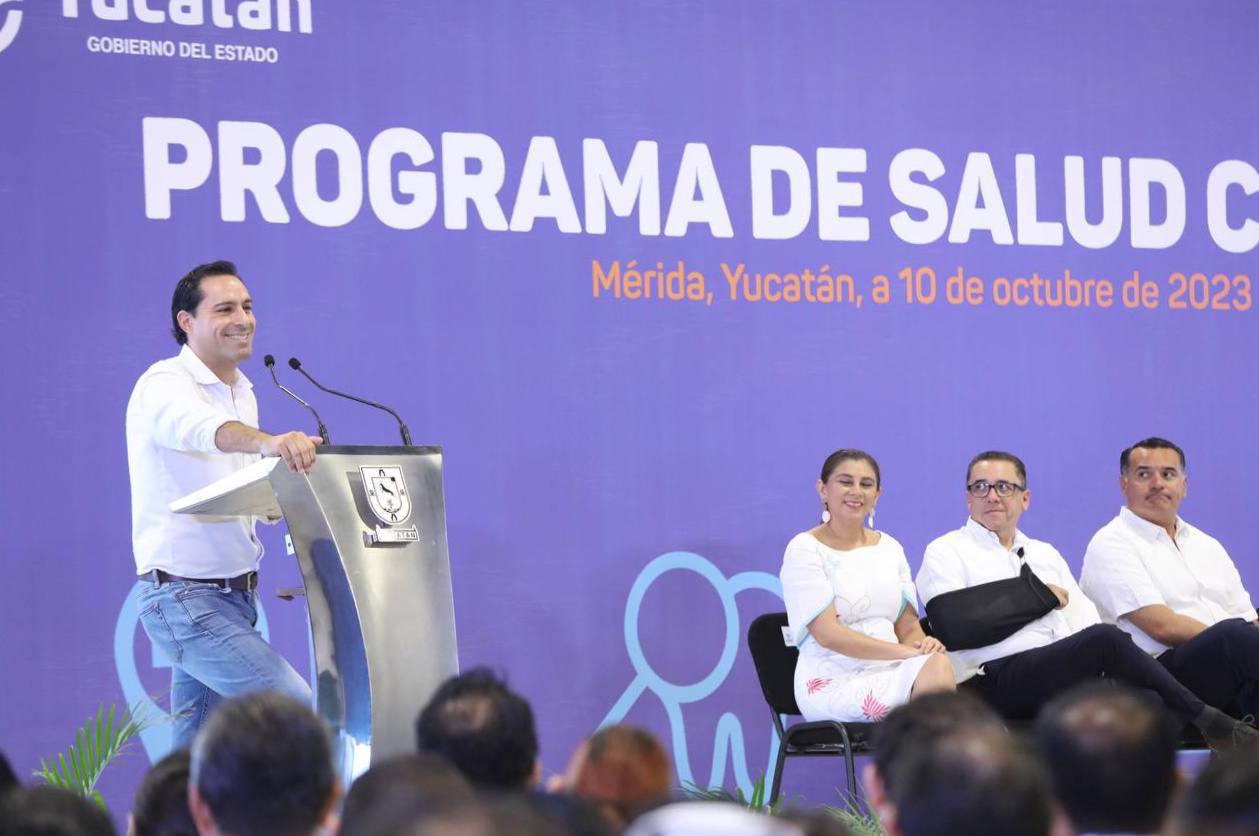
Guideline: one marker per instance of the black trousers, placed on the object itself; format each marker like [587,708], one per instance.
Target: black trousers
[1220,665]
[1018,685]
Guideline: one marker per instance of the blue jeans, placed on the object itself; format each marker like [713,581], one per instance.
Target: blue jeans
[215,652]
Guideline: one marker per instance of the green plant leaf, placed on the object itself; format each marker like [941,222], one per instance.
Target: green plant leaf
[96,743]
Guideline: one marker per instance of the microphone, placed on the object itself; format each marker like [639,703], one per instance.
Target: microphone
[296,365]
[269,362]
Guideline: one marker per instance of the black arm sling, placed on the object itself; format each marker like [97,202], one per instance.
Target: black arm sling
[989,612]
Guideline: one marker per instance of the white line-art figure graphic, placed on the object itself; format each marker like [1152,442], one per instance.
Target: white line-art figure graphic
[10,22]
[728,739]
[157,737]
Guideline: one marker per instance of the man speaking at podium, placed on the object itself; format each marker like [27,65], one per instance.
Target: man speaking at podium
[193,419]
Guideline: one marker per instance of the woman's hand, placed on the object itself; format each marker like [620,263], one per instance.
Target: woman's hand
[927,645]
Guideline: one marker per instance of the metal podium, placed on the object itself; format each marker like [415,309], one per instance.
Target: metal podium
[368,525]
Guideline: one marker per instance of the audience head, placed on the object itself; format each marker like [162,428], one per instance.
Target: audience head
[511,814]
[622,769]
[160,807]
[51,811]
[8,780]
[1112,757]
[262,764]
[979,781]
[1224,800]
[482,727]
[943,763]
[709,818]
[918,723]
[400,789]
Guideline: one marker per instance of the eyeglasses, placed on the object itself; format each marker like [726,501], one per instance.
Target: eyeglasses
[980,488]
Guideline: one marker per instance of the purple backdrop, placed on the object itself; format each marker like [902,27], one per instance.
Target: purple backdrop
[588,435]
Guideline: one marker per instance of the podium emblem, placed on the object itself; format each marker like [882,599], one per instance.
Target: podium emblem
[387,494]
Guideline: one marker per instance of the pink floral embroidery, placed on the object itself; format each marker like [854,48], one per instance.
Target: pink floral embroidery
[815,685]
[873,709]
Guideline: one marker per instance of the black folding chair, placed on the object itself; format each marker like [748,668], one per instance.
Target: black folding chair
[775,662]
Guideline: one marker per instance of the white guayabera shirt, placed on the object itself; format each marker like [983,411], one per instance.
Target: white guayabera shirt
[1133,563]
[972,555]
[176,408]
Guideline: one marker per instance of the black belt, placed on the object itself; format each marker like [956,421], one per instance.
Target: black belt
[245,583]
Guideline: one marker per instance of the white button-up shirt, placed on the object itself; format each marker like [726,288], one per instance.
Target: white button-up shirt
[174,412]
[1132,563]
[972,555]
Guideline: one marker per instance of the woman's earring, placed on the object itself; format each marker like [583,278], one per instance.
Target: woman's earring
[870,519]
[826,513]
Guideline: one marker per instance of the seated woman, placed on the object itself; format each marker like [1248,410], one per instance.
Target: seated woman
[851,606]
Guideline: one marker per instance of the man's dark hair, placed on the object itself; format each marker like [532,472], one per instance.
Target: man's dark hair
[920,722]
[1151,443]
[262,763]
[1112,756]
[188,293]
[160,807]
[1224,800]
[999,456]
[483,727]
[978,780]
[51,811]
[397,789]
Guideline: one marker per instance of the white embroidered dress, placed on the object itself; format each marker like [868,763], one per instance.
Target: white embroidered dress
[870,586]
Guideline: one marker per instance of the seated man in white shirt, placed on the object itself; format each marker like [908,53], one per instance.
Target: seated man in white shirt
[1173,587]
[1066,646]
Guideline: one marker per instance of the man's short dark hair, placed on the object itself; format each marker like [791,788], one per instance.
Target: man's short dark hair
[398,789]
[1112,755]
[1151,443]
[51,811]
[919,722]
[974,780]
[483,727]
[262,763]
[999,456]
[1224,800]
[188,293]
[160,807]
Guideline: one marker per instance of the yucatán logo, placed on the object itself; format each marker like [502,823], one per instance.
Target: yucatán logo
[390,501]
[258,15]
[10,23]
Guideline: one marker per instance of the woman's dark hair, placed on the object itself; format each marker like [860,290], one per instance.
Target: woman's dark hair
[837,458]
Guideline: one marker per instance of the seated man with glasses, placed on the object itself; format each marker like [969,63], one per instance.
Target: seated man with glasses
[1173,587]
[1035,652]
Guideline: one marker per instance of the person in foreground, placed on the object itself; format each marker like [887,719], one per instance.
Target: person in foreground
[852,608]
[1050,636]
[262,766]
[193,419]
[484,729]
[160,807]
[45,810]
[944,765]
[1172,586]
[1224,799]
[1112,755]
[622,769]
